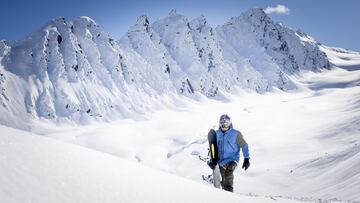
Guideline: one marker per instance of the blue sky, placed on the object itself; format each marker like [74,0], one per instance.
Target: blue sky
[331,22]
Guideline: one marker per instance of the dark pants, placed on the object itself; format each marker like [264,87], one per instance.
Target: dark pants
[227,179]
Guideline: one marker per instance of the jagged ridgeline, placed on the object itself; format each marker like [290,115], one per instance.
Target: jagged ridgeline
[75,70]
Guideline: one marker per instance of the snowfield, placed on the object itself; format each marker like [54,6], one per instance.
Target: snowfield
[38,169]
[304,146]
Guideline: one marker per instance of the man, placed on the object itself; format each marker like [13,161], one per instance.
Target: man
[229,142]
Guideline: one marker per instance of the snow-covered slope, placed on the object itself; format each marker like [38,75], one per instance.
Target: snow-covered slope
[303,145]
[347,59]
[73,71]
[39,169]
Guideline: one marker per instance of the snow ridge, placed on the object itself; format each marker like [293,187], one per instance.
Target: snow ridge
[76,71]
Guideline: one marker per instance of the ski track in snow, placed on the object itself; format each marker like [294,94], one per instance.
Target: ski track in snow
[181,149]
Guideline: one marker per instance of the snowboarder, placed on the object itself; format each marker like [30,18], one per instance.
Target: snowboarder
[229,142]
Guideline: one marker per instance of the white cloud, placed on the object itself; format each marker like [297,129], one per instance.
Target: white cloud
[279,9]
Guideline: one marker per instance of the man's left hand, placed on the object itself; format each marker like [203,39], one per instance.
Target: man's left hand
[246,164]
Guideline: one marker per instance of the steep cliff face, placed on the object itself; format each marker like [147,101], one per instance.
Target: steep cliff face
[74,70]
[292,51]
[222,74]
[163,71]
[195,47]
[4,49]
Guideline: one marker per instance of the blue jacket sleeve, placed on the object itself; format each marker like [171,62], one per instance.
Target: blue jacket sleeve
[245,151]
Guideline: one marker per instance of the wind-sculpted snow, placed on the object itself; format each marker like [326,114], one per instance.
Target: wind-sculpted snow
[74,70]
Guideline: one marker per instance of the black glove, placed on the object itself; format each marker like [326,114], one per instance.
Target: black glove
[246,164]
[231,166]
[211,164]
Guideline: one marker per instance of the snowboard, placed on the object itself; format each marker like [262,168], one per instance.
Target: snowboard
[213,146]
[216,177]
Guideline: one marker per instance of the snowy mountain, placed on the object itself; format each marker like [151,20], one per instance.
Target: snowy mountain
[273,50]
[75,71]
[292,51]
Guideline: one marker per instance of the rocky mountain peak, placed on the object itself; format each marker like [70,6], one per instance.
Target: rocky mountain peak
[173,12]
[85,20]
[143,20]
[199,22]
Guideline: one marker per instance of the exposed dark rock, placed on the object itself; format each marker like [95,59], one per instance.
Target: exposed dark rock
[59,39]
